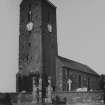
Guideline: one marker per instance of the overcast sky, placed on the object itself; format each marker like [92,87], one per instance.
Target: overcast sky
[81,36]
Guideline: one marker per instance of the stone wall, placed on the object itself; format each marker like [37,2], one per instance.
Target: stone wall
[30,47]
[81,96]
[38,48]
[25,97]
[59,81]
[49,40]
[71,97]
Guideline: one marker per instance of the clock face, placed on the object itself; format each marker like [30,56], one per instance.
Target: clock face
[49,26]
[29,26]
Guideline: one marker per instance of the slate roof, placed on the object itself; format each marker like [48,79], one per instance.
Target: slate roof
[77,66]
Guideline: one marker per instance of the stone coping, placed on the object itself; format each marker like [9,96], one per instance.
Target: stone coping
[80,92]
[16,93]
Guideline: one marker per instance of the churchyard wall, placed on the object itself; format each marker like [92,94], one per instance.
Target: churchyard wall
[82,97]
[71,97]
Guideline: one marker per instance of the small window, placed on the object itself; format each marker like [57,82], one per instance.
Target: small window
[29,44]
[31,58]
[27,57]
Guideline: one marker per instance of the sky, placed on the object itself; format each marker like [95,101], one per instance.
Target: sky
[80,31]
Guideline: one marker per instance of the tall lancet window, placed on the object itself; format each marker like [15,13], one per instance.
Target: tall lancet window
[48,16]
[49,26]
[29,13]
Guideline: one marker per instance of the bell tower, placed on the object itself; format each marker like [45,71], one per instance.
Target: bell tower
[37,41]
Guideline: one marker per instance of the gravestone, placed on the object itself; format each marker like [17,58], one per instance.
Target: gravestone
[34,93]
[69,84]
[19,98]
[49,91]
[40,90]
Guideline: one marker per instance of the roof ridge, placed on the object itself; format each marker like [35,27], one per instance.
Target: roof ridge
[72,60]
[79,66]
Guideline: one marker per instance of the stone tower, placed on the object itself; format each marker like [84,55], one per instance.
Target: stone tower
[37,42]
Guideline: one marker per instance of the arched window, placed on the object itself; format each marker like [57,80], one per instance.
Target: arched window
[88,82]
[79,81]
[64,79]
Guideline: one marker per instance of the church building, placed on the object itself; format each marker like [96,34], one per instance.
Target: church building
[38,52]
